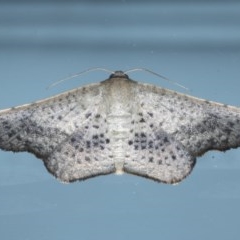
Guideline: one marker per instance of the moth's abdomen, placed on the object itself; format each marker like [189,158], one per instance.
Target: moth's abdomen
[119,128]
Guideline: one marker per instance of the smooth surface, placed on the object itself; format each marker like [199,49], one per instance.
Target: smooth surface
[196,44]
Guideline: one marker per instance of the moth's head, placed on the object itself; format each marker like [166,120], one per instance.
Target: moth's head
[119,74]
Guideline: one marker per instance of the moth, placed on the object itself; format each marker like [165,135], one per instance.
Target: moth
[120,125]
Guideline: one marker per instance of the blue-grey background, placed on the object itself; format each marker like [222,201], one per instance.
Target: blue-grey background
[196,43]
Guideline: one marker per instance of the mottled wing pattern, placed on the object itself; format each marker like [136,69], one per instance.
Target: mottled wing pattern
[68,132]
[120,125]
[170,130]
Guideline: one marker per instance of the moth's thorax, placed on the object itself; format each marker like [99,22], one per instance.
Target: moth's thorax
[118,95]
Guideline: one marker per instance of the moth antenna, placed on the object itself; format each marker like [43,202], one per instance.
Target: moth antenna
[158,75]
[79,74]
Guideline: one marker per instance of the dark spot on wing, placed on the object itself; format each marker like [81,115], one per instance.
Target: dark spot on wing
[87,115]
[230,124]
[166,140]
[19,138]
[95,137]
[143,135]
[150,159]
[88,144]
[150,144]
